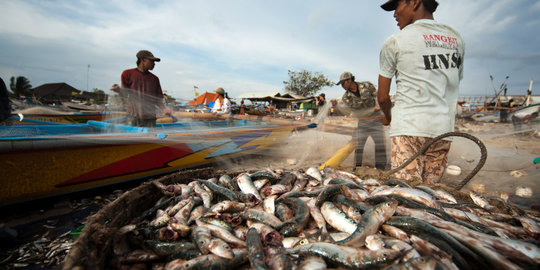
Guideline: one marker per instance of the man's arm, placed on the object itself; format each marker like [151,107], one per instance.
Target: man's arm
[383,97]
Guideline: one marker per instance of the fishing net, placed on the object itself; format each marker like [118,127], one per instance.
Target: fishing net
[357,144]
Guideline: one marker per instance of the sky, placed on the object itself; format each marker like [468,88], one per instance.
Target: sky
[248,46]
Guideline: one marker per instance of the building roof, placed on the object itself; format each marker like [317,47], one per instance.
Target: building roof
[268,96]
[56,89]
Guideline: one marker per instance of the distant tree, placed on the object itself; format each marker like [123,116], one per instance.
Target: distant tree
[20,86]
[306,83]
[100,97]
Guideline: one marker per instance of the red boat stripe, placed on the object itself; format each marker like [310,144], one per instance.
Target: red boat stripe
[153,159]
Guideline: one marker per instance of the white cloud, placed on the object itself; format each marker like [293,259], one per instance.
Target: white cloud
[245,45]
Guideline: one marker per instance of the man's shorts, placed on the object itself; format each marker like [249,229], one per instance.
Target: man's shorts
[428,167]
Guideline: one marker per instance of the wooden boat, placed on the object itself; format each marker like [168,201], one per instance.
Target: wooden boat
[526,110]
[64,117]
[44,160]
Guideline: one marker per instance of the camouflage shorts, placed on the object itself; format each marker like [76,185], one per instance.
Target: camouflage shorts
[428,167]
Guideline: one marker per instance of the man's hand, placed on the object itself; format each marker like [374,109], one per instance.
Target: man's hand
[167,111]
[115,87]
[383,120]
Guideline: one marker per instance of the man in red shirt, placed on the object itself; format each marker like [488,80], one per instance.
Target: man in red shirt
[142,91]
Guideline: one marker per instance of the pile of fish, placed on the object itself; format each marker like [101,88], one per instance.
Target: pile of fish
[46,252]
[48,248]
[312,219]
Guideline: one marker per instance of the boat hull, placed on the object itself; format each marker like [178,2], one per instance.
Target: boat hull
[65,118]
[43,166]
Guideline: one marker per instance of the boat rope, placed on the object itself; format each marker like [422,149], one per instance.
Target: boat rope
[422,150]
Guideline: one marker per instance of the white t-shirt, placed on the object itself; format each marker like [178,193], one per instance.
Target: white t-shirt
[220,108]
[426,58]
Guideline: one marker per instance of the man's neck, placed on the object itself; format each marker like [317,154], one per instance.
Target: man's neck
[141,69]
[423,15]
[354,87]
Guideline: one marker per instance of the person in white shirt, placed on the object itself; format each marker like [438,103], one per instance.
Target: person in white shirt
[426,57]
[222,105]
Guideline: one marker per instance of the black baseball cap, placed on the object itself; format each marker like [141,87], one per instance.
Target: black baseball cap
[430,5]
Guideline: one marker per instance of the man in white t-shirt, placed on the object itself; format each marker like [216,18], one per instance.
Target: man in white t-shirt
[222,105]
[426,57]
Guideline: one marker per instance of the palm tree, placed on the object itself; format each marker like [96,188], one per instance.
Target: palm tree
[20,86]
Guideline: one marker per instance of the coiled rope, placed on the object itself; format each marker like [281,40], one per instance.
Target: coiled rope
[422,150]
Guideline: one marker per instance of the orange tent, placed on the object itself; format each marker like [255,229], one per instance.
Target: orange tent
[204,99]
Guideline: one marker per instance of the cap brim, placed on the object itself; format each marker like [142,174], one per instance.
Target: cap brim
[389,5]
[155,59]
[340,82]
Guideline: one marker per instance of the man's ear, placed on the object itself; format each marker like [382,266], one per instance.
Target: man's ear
[417,4]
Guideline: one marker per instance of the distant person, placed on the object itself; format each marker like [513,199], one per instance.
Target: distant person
[142,91]
[426,57]
[222,105]
[359,101]
[242,107]
[503,112]
[320,100]
[5,106]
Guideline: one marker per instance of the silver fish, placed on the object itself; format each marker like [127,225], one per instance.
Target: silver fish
[312,262]
[370,222]
[260,183]
[530,225]
[395,232]
[228,206]
[220,248]
[247,187]
[203,193]
[374,242]
[269,204]
[481,201]
[202,236]
[315,173]
[481,248]
[337,219]
[222,233]
[161,219]
[275,190]
[349,256]
[410,193]
[261,216]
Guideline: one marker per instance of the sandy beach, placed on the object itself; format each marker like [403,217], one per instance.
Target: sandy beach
[509,165]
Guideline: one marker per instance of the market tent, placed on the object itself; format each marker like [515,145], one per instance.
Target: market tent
[205,99]
[258,96]
[294,96]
